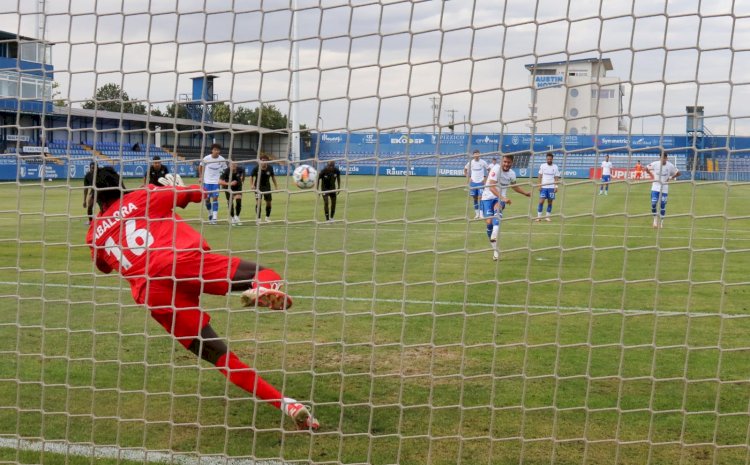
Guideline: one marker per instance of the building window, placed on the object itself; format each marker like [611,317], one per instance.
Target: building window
[28,89]
[574,92]
[574,112]
[573,132]
[545,72]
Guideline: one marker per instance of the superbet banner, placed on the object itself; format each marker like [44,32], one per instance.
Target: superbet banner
[618,174]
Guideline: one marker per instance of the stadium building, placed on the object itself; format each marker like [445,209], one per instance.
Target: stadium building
[575,97]
[39,139]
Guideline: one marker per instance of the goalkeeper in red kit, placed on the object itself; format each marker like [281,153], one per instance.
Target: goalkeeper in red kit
[168,265]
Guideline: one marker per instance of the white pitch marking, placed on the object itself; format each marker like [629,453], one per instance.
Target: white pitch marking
[571,309]
[118,453]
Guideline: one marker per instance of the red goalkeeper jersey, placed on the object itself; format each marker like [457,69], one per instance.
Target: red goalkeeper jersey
[140,234]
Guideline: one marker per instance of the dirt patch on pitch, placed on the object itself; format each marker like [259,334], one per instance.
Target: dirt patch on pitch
[385,360]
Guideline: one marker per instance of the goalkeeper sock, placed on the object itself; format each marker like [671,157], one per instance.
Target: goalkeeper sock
[268,211]
[238,206]
[246,378]
[267,278]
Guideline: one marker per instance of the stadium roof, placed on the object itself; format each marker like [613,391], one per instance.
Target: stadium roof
[605,61]
[8,36]
[113,115]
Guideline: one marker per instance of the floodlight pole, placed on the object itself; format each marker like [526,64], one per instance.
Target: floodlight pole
[294,110]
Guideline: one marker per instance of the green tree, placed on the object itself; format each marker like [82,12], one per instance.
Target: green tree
[110,97]
[270,117]
[181,111]
[156,111]
[221,112]
[244,115]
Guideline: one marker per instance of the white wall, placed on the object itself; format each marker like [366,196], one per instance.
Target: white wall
[585,103]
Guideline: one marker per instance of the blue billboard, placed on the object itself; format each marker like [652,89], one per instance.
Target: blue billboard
[449,143]
[12,168]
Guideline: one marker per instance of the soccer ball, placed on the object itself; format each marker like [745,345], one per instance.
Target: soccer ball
[305,176]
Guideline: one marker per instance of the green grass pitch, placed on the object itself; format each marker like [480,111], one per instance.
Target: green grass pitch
[595,338]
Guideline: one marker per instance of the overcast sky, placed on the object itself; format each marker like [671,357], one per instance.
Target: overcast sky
[366,64]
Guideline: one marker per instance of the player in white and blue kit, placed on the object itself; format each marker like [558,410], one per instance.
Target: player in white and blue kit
[476,173]
[209,173]
[606,176]
[549,174]
[494,198]
[662,171]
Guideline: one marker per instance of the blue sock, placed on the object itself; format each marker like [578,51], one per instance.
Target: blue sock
[215,206]
[539,208]
[653,208]
[476,205]
[549,208]
[489,229]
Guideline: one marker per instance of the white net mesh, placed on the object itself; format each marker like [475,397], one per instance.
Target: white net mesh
[595,338]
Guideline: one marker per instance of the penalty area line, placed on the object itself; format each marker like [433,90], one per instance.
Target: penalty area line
[551,308]
[120,453]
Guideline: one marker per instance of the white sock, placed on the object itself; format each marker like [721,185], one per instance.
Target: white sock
[548,213]
[493,244]
[493,235]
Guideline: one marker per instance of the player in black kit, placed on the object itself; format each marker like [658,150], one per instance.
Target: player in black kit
[88,191]
[231,179]
[261,178]
[329,182]
[155,171]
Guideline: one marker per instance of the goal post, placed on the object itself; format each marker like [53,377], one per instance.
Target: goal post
[596,312]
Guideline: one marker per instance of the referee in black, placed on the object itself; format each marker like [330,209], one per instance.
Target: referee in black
[155,171]
[329,182]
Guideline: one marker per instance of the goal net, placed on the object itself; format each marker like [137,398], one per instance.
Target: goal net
[594,310]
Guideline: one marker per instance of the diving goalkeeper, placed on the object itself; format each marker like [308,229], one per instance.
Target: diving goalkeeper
[169,265]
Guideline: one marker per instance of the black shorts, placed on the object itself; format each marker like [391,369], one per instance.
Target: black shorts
[330,194]
[234,190]
[265,195]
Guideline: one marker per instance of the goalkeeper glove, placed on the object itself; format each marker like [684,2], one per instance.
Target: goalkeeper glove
[171,180]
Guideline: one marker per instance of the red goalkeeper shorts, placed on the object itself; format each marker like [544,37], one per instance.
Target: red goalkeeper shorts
[174,300]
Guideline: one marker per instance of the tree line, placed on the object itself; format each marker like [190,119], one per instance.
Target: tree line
[110,97]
